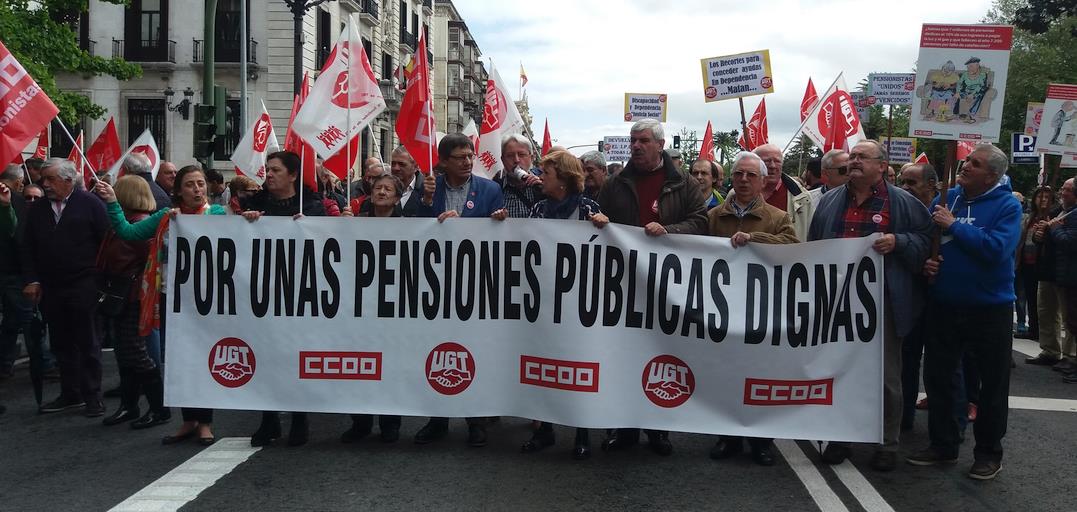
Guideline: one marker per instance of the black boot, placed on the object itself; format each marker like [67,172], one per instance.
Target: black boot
[300,431]
[540,439]
[362,424]
[268,430]
[154,389]
[128,409]
[582,448]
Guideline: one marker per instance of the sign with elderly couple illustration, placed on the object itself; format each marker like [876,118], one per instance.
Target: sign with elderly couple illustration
[961,82]
[545,319]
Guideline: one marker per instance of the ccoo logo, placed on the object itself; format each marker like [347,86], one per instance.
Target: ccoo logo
[668,381]
[231,362]
[261,133]
[450,368]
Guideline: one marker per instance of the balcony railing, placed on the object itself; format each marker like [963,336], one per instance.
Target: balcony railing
[369,8]
[227,51]
[89,45]
[408,39]
[145,50]
[428,6]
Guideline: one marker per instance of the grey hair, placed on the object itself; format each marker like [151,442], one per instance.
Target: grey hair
[949,66]
[65,168]
[401,150]
[594,158]
[649,124]
[748,155]
[137,163]
[884,155]
[829,157]
[11,172]
[928,174]
[517,138]
[996,159]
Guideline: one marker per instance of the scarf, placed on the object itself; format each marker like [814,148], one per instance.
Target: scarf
[562,209]
[149,316]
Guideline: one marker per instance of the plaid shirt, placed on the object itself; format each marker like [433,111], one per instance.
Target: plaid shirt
[520,200]
[871,216]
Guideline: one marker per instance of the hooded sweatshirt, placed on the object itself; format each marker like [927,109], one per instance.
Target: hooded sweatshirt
[978,249]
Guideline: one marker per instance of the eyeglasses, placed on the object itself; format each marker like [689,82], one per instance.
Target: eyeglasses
[853,157]
[843,170]
[463,158]
[742,175]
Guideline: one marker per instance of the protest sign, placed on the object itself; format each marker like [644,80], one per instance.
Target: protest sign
[961,82]
[1033,115]
[736,76]
[645,106]
[1068,161]
[892,88]
[1023,149]
[1058,131]
[863,102]
[544,319]
[902,149]
[617,148]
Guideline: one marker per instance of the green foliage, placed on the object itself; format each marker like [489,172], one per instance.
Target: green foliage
[38,34]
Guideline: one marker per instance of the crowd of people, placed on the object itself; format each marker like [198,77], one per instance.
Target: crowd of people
[83,267]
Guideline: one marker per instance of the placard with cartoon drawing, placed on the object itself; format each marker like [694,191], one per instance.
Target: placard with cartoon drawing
[1058,127]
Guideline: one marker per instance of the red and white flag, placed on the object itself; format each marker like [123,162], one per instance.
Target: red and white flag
[250,154]
[833,123]
[811,98]
[499,118]
[547,142]
[25,110]
[42,150]
[922,159]
[143,144]
[105,150]
[294,143]
[472,132]
[964,149]
[415,124]
[757,133]
[706,148]
[76,158]
[345,97]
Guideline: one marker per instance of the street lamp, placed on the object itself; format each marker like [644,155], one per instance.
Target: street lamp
[183,107]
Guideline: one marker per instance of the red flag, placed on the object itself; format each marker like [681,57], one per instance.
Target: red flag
[757,133]
[706,148]
[336,164]
[547,142]
[809,101]
[840,125]
[922,159]
[76,158]
[42,150]
[964,149]
[18,159]
[26,109]
[105,150]
[415,124]
[294,143]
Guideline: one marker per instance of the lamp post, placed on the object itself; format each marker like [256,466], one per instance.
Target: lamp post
[183,107]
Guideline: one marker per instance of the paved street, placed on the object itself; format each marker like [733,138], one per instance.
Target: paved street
[67,462]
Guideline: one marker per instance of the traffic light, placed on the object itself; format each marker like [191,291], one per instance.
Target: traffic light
[220,115]
[676,142]
[204,131]
[601,146]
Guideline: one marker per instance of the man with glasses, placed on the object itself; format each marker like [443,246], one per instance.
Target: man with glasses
[520,188]
[31,193]
[784,192]
[708,174]
[835,165]
[867,204]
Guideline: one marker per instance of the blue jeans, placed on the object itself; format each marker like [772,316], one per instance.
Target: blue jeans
[153,346]
[19,316]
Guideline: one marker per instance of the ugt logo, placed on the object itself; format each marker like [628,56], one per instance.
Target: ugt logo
[668,381]
[231,362]
[450,368]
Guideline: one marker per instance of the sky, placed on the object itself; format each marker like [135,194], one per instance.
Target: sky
[582,56]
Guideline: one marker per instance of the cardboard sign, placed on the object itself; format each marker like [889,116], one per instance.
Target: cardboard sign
[892,88]
[617,148]
[645,106]
[1058,131]
[736,76]
[902,149]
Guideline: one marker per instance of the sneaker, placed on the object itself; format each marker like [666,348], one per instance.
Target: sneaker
[921,405]
[985,469]
[974,411]
[94,409]
[836,453]
[1065,366]
[60,404]
[930,457]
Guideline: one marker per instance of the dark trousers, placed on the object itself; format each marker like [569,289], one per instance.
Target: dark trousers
[70,313]
[444,422]
[385,422]
[986,332]
[912,351]
[1069,315]
[755,443]
[199,415]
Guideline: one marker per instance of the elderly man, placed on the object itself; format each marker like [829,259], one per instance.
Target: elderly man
[675,155]
[520,188]
[139,165]
[655,194]
[971,308]
[594,173]
[1052,299]
[864,206]
[1061,238]
[745,217]
[357,186]
[59,250]
[835,169]
[404,167]
[166,176]
[921,181]
[614,169]
[784,193]
[708,174]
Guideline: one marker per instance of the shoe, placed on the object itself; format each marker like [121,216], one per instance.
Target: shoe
[151,419]
[985,469]
[836,453]
[921,405]
[60,404]
[206,441]
[299,433]
[725,448]
[974,411]
[1024,335]
[1070,379]
[762,456]
[884,461]
[391,435]
[354,434]
[268,431]
[582,447]
[94,410]
[658,440]
[167,440]
[538,442]
[1066,365]
[121,415]
[930,457]
[476,436]
[1042,360]
[431,432]
[620,439]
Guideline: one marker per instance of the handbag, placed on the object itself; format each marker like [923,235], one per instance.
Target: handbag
[113,293]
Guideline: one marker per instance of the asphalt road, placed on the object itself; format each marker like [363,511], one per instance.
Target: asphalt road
[68,462]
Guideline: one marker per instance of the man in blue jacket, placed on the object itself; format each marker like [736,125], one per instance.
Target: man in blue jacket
[971,308]
[458,193]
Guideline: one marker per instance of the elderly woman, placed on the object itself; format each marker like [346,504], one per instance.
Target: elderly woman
[563,186]
[241,188]
[280,198]
[943,90]
[191,195]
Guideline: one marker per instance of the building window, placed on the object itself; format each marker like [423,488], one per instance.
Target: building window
[325,38]
[403,19]
[146,31]
[224,145]
[226,45]
[368,48]
[386,66]
[386,144]
[148,114]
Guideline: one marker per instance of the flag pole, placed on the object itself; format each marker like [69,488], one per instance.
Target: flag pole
[81,154]
[889,133]
[428,104]
[348,115]
[302,163]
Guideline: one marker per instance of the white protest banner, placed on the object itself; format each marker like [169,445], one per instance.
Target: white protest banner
[902,149]
[965,104]
[892,88]
[1033,115]
[544,319]
[645,106]
[617,148]
[736,76]
[1058,131]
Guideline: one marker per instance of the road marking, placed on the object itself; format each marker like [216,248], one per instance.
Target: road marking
[1032,403]
[186,481]
[813,481]
[1027,347]
[859,486]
